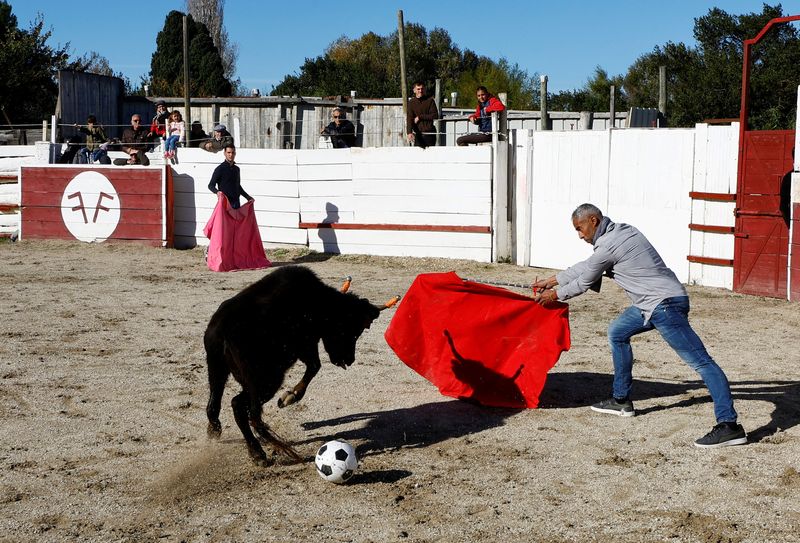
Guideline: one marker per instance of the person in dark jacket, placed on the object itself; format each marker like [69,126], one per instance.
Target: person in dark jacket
[487,103]
[422,111]
[227,179]
[221,139]
[135,141]
[158,126]
[341,131]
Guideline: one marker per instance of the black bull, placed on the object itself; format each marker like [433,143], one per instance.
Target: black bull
[257,335]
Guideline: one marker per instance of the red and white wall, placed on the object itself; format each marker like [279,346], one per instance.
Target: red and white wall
[95,204]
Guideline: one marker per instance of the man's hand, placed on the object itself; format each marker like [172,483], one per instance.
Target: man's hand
[544,284]
[411,138]
[546,297]
[472,118]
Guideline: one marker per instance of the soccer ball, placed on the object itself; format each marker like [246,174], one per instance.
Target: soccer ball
[336,461]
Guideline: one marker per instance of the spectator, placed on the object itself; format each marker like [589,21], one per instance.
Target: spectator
[158,126]
[176,133]
[221,139]
[422,111]
[487,103]
[197,135]
[96,138]
[341,131]
[227,179]
[135,142]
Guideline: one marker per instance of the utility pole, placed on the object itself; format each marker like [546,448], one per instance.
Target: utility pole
[187,118]
[403,85]
[662,94]
[612,108]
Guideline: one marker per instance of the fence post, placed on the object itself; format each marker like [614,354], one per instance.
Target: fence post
[543,102]
[437,123]
[612,109]
[53,129]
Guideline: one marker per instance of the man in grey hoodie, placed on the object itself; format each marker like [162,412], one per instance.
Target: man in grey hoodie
[659,301]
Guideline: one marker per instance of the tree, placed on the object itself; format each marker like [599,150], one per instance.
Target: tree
[28,88]
[595,95]
[370,65]
[206,73]
[211,13]
[705,81]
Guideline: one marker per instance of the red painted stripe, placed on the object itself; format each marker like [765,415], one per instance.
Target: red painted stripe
[709,260]
[711,228]
[6,208]
[714,196]
[129,201]
[57,230]
[127,216]
[399,227]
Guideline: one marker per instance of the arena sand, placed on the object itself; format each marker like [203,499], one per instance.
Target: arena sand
[103,436]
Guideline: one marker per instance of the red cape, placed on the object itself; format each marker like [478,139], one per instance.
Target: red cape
[478,342]
[235,241]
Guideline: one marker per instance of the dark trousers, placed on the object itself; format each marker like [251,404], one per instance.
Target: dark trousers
[424,139]
[477,137]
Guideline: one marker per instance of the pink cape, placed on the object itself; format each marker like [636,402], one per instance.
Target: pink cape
[235,241]
[478,342]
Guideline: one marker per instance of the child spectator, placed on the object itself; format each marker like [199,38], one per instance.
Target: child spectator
[176,133]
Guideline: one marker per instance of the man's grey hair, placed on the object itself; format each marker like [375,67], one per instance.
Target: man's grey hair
[586,210]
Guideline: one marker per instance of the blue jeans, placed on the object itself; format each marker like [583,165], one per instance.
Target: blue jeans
[171,143]
[671,319]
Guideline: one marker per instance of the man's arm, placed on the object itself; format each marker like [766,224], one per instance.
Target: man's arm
[584,275]
[212,185]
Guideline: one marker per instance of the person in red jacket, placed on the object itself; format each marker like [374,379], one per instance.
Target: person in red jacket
[483,118]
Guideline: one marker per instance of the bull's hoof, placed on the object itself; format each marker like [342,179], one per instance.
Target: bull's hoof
[214,429]
[260,458]
[287,398]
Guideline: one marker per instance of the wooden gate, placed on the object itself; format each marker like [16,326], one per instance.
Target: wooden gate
[761,245]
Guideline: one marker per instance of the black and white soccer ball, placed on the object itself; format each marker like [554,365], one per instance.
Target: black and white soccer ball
[336,461]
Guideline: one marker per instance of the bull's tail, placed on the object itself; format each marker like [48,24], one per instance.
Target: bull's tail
[218,373]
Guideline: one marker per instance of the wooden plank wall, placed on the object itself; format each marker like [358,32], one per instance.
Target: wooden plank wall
[794,240]
[83,94]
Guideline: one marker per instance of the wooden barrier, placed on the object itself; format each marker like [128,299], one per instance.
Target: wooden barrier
[95,204]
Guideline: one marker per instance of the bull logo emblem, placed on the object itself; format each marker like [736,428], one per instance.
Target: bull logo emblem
[90,207]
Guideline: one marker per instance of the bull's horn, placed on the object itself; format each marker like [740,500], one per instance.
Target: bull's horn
[346,284]
[391,302]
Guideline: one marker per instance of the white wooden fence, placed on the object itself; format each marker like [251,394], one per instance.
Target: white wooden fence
[638,176]
[451,201]
[383,201]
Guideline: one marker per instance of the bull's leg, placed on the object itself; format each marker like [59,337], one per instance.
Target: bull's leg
[240,404]
[217,377]
[275,441]
[296,394]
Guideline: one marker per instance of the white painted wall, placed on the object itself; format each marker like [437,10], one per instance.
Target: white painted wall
[392,185]
[638,176]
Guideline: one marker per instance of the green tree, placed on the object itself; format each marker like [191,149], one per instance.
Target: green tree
[370,65]
[705,81]
[206,73]
[595,95]
[28,88]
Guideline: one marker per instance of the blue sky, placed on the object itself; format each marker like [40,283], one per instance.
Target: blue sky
[565,39]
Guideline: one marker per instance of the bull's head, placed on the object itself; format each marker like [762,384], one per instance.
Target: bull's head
[351,317]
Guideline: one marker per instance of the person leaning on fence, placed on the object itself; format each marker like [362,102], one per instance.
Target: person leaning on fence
[487,103]
[341,131]
[422,111]
[95,149]
[221,139]
[158,126]
[135,142]
[659,301]
[227,179]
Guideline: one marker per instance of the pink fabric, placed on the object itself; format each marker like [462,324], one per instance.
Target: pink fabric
[235,241]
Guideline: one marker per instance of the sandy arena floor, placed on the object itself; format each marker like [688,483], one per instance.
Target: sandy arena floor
[103,436]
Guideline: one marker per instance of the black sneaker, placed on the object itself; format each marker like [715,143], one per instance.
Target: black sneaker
[723,434]
[613,407]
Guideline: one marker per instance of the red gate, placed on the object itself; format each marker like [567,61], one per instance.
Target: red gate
[761,245]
